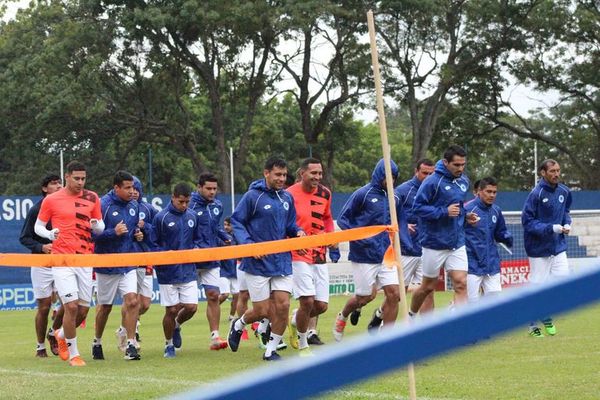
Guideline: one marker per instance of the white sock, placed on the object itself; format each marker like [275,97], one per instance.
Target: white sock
[59,333]
[51,332]
[137,326]
[262,327]
[341,317]
[239,324]
[72,345]
[302,340]
[177,325]
[98,341]
[378,312]
[130,342]
[122,331]
[214,334]
[41,346]
[311,332]
[272,344]
[169,342]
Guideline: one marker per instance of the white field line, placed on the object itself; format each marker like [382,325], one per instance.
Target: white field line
[373,395]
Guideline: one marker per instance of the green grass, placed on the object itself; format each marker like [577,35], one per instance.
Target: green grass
[513,366]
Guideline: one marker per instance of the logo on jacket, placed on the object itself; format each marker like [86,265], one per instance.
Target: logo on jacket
[463,187]
[267,207]
[374,200]
[286,205]
[494,219]
[131,212]
[545,200]
[200,213]
[142,215]
[216,211]
[190,223]
[171,224]
[447,187]
[115,213]
[561,198]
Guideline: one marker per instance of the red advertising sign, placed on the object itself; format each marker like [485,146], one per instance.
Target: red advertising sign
[514,272]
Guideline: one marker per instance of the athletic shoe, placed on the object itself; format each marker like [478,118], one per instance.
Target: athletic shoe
[305,352]
[131,353]
[177,338]
[273,357]
[293,334]
[97,353]
[63,349]
[121,340]
[266,335]
[76,362]
[53,343]
[169,352]
[234,337]
[314,339]
[375,323]
[41,353]
[550,328]
[354,317]
[218,344]
[338,329]
[535,332]
[281,346]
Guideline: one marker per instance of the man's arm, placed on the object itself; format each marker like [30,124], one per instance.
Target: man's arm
[28,231]
[423,200]
[346,220]
[501,234]
[240,218]
[529,217]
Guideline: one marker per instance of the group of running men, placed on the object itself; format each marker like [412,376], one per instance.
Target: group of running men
[437,229]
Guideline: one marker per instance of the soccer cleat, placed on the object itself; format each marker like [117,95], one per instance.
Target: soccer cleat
[97,353]
[234,337]
[305,352]
[266,335]
[121,340]
[177,338]
[76,362]
[375,323]
[169,352]
[550,328]
[53,343]
[131,353]
[314,339]
[273,357]
[41,353]
[218,344]
[535,332]
[281,346]
[63,349]
[338,329]
[293,334]
[355,316]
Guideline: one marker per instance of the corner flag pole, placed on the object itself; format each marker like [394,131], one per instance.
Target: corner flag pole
[390,187]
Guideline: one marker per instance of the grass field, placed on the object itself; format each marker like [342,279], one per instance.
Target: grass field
[513,366]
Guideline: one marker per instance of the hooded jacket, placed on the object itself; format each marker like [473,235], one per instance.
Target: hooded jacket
[146,214]
[210,233]
[229,267]
[481,238]
[366,207]
[115,210]
[545,206]
[175,230]
[437,230]
[265,214]
[406,193]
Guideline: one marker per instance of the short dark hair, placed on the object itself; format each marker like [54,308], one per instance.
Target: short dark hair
[75,166]
[227,219]
[310,160]
[182,189]
[49,178]
[122,176]
[273,162]
[424,161]
[206,177]
[476,184]
[454,150]
[546,164]
[487,181]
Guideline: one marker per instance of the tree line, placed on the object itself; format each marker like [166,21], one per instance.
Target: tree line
[108,82]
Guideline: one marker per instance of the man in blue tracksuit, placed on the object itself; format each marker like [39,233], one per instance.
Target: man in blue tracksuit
[546,222]
[209,211]
[175,228]
[266,212]
[120,215]
[228,282]
[441,218]
[145,281]
[369,206]
[481,238]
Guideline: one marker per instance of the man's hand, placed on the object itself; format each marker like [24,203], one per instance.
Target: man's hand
[412,228]
[454,210]
[472,218]
[140,223]
[53,234]
[566,229]
[138,235]
[301,233]
[556,228]
[121,228]
[47,248]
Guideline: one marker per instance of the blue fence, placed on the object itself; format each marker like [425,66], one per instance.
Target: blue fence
[392,349]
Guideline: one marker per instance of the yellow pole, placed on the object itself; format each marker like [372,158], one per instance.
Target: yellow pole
[390,187]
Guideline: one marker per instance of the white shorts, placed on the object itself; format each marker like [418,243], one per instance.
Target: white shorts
[489,283]
[241,277]
[42,282]
[451,260]
[209,277]
[228,285]
[413,270]
[179,293]
[145,283]
[311,280]
[108,285]
[260,287]
[73,283]
[544,269]
[368,275]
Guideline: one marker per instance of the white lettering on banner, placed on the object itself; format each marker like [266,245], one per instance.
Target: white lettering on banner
[157,203]
[17,296]
[15,209]
[515,275]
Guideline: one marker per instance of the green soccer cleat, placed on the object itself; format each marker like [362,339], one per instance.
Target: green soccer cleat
[550,328]
[535,332]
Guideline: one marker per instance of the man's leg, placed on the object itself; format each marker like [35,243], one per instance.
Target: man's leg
[474,283]
[42,281]
[41,323]
[242,303]
[390,304]
[129,321]
[418,298]
[210,279]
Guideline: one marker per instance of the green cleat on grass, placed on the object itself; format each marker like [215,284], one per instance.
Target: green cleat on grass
[535,332]
[550,328]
